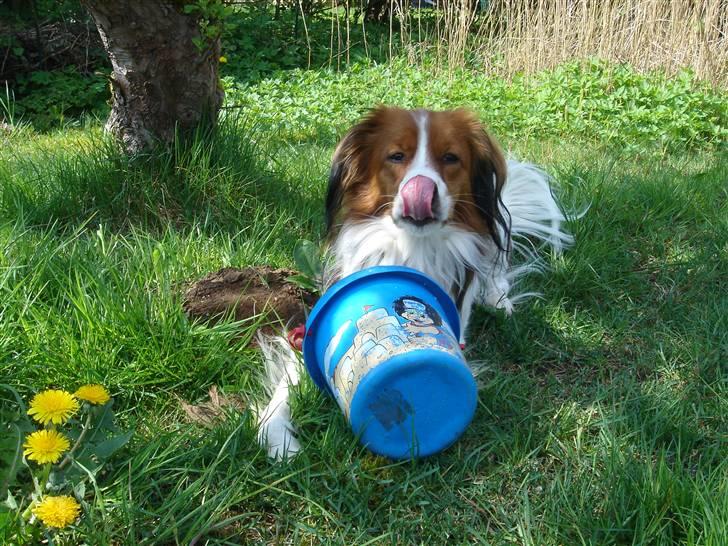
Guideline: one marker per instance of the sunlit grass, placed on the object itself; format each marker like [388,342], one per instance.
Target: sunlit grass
[603,407]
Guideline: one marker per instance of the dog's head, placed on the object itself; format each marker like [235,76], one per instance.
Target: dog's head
[424,169]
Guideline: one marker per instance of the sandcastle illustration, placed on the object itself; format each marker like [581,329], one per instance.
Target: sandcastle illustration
[380,336]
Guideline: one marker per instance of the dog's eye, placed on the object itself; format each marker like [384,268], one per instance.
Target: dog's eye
[396,157]
[450,158]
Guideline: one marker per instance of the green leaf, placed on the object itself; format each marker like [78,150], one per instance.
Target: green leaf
[108,447]
[16,396]
[41,77]
[104,418]
[303,281]
[199,42]
[79,490]
[308,258]
[6,517]
[11,452]
[57,479]
[82,467]
[10,502]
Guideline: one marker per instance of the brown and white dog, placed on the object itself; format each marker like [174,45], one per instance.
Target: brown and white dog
[431,191]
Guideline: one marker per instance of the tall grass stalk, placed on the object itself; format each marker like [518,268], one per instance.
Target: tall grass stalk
[525,36]
[528,36]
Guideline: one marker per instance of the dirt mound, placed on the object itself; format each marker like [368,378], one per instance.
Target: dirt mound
[247,293]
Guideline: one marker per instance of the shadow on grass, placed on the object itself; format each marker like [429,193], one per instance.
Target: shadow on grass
[609,434]
[217,181]
[621,358]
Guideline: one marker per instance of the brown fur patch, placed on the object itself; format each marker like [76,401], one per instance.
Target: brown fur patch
[371,181]
[459,132]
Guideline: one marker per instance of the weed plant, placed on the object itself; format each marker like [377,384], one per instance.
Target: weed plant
[595,101]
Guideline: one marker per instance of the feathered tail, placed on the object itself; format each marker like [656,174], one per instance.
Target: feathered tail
[535,214]
[536,220]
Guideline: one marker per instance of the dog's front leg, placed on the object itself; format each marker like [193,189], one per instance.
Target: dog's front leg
[275,429]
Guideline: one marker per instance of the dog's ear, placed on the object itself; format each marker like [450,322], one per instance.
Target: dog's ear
[348,166]
[335,191]
[489,176]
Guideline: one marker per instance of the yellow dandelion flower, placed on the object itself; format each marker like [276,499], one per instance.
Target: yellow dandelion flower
[96,394]
[53,406]
[45,446]
[57,511]
[223,59]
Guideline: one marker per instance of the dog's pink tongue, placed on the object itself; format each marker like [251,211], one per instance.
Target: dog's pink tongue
[417,196]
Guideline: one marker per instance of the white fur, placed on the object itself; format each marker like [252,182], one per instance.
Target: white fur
[534,213]
[440,250]
[422,165]
[446,256]
[275,429]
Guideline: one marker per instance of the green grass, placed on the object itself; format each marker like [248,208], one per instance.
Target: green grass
[603,411]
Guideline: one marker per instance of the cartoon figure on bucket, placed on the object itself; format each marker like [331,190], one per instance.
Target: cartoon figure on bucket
[380,335]
[423,322]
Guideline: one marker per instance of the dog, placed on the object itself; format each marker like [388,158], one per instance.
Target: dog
[433,191]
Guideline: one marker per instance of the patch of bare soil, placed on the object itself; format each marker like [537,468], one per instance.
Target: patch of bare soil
[250,293]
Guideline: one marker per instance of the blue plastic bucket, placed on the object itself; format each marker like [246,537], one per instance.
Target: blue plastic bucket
[384,343]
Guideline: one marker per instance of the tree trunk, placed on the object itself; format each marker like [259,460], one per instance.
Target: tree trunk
[161,80]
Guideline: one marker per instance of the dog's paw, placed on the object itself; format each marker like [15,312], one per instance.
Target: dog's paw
[278,436]
[505,304]
[496,294]
[499,301]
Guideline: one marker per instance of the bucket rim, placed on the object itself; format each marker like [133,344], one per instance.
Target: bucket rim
[309,357]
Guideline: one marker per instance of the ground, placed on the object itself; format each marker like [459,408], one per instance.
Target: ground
[254,294]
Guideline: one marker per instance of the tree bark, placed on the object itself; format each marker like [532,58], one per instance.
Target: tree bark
[161,81]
